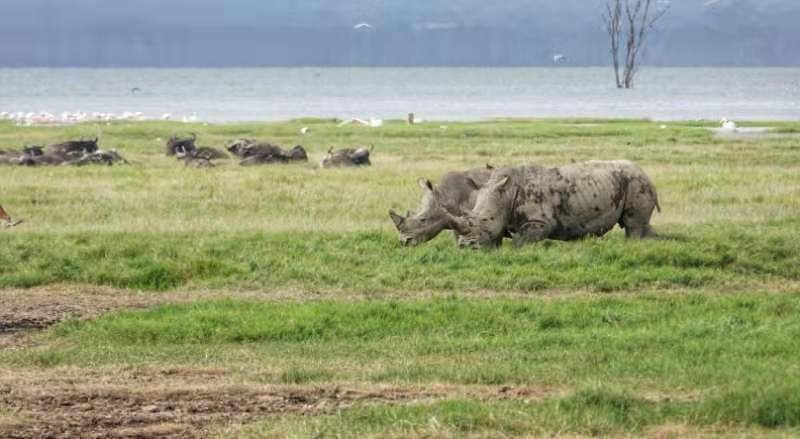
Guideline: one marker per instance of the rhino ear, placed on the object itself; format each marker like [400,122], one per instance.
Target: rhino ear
[426,185]
[397,219]
[500,184]
[489,166]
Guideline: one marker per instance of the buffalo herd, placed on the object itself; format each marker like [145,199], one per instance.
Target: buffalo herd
[74,152]
[482,206]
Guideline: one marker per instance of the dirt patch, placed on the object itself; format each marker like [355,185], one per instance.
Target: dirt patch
[24,310]
[185,403]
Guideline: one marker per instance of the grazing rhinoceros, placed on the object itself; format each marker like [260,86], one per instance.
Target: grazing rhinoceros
[532,203]
[456,192]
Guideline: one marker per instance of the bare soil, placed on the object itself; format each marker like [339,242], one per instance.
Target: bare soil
[184,403]
[164,403]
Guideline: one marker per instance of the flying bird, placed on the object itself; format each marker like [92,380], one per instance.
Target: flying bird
[558,57]
[363,26]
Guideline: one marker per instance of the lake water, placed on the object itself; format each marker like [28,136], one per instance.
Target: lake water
[220,95]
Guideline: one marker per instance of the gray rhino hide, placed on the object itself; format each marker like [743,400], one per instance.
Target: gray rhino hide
[532,203]
[456,192]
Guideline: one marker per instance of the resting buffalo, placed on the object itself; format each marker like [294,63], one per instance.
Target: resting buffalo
[181,145]
[256,153]
[74,148]
[532,203]
[98,157]
[455,192]
[203,152]
[347,157]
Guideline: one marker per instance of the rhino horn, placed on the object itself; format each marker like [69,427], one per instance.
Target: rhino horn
[396,218]
[459,224]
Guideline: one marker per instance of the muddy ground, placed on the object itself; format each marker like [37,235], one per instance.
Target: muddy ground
[168,403]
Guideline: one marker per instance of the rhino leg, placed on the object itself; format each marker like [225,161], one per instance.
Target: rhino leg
[640,201]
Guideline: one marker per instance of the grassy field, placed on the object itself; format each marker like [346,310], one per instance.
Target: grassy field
[288,280]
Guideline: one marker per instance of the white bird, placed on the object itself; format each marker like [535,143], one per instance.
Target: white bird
[559,57]
[727,124]
[166,116]
[363,26]
[304,130]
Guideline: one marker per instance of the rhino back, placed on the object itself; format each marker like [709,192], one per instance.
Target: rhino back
[578,199]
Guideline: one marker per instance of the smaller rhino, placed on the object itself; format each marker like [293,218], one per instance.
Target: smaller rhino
[456,192]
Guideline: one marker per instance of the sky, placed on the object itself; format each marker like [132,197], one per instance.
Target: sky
[244,33]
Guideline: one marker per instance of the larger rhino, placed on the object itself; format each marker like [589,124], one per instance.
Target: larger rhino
[456,192]
[532,203]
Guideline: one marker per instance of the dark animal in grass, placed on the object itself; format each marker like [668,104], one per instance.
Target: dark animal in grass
[99,157]
[72,148]
[456,193]
[206,152]
[198,162]
[253,152]
[532,203]
[347,157]
[181,145]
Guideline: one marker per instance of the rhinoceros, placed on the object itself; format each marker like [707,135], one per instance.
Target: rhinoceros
[532,203]
[455,192]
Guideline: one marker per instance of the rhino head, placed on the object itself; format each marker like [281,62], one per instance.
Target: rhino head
[426,223]
[485,225]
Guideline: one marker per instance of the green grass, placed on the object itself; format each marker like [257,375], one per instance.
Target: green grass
[730,211]
[619,364]
[697,330]
[372,262]
[647,342]
[591,412]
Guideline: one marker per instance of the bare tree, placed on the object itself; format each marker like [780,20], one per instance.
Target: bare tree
[640,18]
